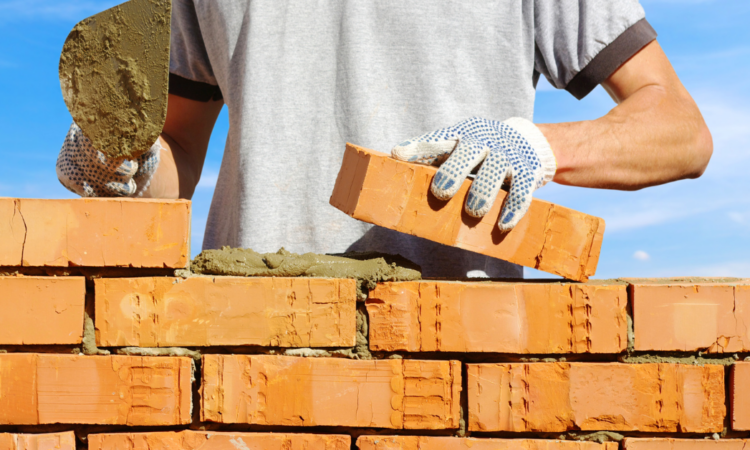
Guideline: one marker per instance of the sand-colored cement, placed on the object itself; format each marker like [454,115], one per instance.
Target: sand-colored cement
[367,268]
[114,75]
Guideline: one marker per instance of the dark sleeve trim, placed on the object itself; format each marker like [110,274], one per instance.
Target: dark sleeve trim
[193,90]
[609,59]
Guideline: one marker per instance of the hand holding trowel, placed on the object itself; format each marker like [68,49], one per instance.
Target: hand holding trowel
[114,75]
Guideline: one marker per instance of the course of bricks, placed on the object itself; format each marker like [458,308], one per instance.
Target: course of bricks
[108,342]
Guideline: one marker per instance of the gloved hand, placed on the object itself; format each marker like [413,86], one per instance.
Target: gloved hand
[514,148]
[87,172]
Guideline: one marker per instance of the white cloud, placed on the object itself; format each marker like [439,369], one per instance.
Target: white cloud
[640,255]
[736,217]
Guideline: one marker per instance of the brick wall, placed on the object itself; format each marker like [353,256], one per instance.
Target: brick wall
[106,343]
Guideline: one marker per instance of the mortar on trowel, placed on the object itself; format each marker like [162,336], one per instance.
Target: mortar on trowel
[114,76]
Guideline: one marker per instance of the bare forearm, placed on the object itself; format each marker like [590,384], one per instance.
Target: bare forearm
[174,178]
[655,135]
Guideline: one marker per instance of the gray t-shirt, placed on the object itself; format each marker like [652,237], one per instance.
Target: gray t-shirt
[302,78]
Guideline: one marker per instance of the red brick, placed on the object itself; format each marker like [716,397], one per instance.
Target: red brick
[673,315]
[454,443]
[375,188]
[41,310]
[278,390]
[204,311]
[94,232]
[498,317]
[555,397]
[683,444]
[211,440]
[49,441]
[113,390]
[740,393]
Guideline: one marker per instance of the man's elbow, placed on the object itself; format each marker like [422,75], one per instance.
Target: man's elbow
[701,149]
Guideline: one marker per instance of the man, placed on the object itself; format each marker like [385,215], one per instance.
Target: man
[302,78]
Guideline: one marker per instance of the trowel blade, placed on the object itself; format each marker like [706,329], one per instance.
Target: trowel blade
[114,75]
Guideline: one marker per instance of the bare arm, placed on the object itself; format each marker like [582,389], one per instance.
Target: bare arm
[185,137]
[655,134]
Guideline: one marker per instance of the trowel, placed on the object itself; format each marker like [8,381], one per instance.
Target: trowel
[114,75]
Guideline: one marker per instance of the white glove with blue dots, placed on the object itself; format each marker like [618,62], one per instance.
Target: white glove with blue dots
[514,148]
[84,170]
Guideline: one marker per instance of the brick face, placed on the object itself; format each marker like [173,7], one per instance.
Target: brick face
[94,232]
[205,440]
[454,443]
[555,397]
[113,390]
[375,188]
[277,390]
[683,444]
[740,396]
[47,441]
[691,316]
[205,311]
[41,310]
[498,317]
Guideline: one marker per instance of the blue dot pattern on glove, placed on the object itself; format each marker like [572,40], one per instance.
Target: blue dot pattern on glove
[87,172]
[514,149]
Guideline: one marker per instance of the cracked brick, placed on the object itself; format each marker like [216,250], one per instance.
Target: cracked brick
[691,315]
[456,443]
[684,444]
[94,232]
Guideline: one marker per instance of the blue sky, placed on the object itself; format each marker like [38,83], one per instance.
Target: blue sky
[694,227]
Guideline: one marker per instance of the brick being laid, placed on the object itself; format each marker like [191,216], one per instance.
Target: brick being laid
[41,310]
[377,189]
[206,311]
[37,389]
[556,397]
[46,441]
[212,440]
[691,314]
[429,316]
[280,390]
[94,232]
[684,444]
[455,443]
[740,396]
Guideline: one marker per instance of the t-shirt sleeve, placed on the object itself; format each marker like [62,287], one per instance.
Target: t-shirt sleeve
[190,72]
[580,43]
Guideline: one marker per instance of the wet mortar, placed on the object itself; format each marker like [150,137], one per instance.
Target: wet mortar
[114,76]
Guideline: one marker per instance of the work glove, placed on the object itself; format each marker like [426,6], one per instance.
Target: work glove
[514,149]
[84,170]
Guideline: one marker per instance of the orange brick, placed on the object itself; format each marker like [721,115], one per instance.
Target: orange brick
[94,232]
[113,390]
[740,393]
[498,317]
[48,441]
[203,311]
[41,310]
[555,397]
[279,390]
[454,443]
[684,444]
[375,188]
[691,315]
[211,440]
